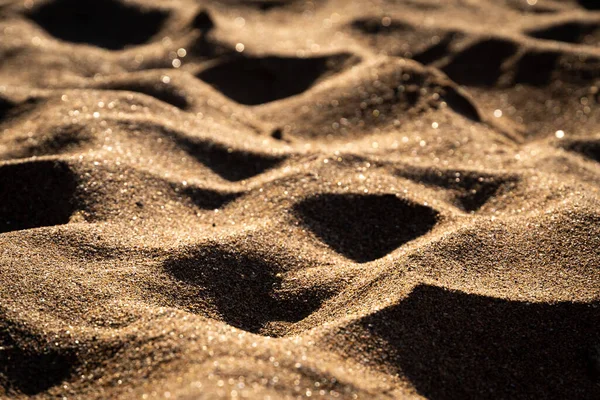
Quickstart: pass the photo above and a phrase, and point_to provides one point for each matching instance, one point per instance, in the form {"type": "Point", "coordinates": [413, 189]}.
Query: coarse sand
{"type": "Point", "coordinates": [286, 199]}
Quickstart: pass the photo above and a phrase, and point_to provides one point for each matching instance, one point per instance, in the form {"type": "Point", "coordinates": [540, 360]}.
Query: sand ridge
{"type": "Point", "coordinates": [289, 199]}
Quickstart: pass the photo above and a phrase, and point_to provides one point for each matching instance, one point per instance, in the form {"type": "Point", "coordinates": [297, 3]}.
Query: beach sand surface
{"type": "Point", "coordinates": [392, 199]}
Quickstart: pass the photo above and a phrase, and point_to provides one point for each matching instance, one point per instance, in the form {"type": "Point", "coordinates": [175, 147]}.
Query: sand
{"type": "Point", "coordinates": [287, 199]}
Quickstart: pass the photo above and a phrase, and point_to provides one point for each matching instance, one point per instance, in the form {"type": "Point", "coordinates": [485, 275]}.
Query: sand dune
{"type": "Point", "coordinates": [290, 198]}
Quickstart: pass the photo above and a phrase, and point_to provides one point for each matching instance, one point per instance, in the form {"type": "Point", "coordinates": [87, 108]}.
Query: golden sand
{"type": "Point", "coordinates": [289, 199]}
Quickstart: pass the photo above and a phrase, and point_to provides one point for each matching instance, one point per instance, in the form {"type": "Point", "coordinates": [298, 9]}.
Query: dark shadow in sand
{"type": "Point", "coordinates": [365, 227]}
{"type": "Point", "coordinates": [437, 51]}
{"type": "Point", "coordinates": [29, 367]}
{"type": "Point", "coordinates": [536, 68]}
{"type": "Point", "coordinates": [480, 64]}
{"type": "Point", "coordinates": [470, 189]}
{"type": "Point", "coordinates": [258, 80]}
{"type": "Point", "coordinates": [460, 104]}
{"type": "Point", "coordinates": [110, 24]}
{"type": "Point", "coordinates": [5, 108]}
{"type": "Point", "coordinates": [569, 32]}
{"type": "Point", "coordinates": [587, 148]}
{"type": "Point", "coordinates": [36, 193]}
{"type": "Point", "coordinates": [232, 165]}
{"type": "Point", "coordinates": [166, 93]}
{"type": "Point", "coordinates": [203, 21]}
{"type": "Point", "coordinates": [246, 289]}
{"type": "Point", "coordinates": [207, 199]}
{"type": "Point", "coordinates": [590, 4]}
{"type": "Point", "coordinates": [453, 345]}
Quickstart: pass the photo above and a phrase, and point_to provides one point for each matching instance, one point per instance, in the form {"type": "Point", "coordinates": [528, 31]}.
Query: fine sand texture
{"type": "Point", "coordinates": [280, 199]}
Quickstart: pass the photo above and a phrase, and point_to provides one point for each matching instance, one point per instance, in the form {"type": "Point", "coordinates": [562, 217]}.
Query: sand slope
{"type": "Point", "coordinates": [283, 199]}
